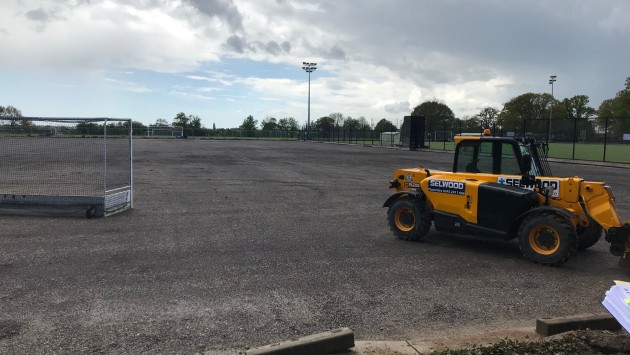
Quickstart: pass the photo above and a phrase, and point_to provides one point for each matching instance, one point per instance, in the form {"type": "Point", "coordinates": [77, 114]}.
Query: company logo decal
{"type": "Point", "coordinates": [540, 183]}
{"type": "Point", "coordinates": [413, 185]}
{"type": "Point", "coordinates": [447, 187]}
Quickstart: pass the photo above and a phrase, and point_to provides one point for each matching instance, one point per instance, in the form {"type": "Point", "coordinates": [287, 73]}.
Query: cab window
{"type": "Point", "coordinates": [490, 157]}
{"type": "Point", "coordinates": [485, 159]}
{"type": "Point", "coordinates": [509, 161]}
{"type": "Point", "coordinates": [466, 154]}
{"type": "Point", "coordinates": [474, 157]}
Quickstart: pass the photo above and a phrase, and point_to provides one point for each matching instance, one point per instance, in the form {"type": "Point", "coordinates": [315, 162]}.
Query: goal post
{"type": "Point", "coordinates": [57, 165]}
{"type": "Point", "coordinates": [165, 131]}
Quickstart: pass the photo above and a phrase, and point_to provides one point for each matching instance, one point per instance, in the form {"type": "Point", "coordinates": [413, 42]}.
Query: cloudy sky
{"type": "Point", "coordinates": [226, 59]}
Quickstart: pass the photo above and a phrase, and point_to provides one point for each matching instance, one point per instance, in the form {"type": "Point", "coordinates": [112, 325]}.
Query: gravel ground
{"type": "Point", "coordinates": [235, 244]}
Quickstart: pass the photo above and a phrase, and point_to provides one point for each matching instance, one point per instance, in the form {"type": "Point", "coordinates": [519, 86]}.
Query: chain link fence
{"type": "Point", "coordinates": [229, 133]}
{"type": "Point", "coordinates": [595, 139]}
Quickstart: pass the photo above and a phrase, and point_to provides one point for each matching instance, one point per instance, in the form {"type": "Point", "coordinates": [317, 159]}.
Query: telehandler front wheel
{"type": "Point", "coordinates": [547, 239]}
{"type": "Point", "coordinates": [409, 219]}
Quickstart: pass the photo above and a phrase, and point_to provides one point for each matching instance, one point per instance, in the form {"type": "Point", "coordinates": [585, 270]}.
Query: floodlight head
{"type": "Point", "coordinates": [553, 77]}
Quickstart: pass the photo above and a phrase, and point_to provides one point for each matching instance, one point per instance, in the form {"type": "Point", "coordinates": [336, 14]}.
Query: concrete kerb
{"type": "Point", "coordinates": [342, 341]}
{"type": "Point", "coordinates": [333, 341]}
{"type": "Point", "coordinates": [552, 326]}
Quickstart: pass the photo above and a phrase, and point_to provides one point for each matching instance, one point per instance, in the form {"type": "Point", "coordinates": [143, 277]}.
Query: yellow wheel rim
{"type": "Point", "coordinates": [404, 218]}
{"type": "Point", "coordinates": [544, 240]}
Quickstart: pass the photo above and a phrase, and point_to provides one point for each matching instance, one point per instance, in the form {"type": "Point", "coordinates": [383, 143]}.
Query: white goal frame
{"type": "Point", "coordinates": [169, 131]}
{"type": "Point", "coordinates": [55, 165]}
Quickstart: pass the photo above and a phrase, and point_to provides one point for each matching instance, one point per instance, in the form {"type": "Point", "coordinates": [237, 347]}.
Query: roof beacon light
{"type": "Point", "coordinates": [487, 132]}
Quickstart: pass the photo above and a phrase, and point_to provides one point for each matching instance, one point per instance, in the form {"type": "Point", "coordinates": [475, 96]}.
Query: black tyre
{"type": "Point", "coordinates": [590, 235]}
{"type": "Point", "coordinates": [547, 239]}
{"type": "Point", "coordinates": [409, 219]}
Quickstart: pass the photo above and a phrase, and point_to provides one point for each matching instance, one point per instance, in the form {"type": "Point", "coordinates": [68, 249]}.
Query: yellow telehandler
{"type": "Point", "coordinates": [502, 187]}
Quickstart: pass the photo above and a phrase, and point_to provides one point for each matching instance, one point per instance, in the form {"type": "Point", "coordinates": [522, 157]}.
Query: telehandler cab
{"type": "Point", "coordinates": [503, 188]}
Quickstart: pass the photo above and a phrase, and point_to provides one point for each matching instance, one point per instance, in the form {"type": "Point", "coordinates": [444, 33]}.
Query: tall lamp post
{"type": "Point", "coordinates": [552, 79]}
{"type": "Point", "coordinates": [309, 68]}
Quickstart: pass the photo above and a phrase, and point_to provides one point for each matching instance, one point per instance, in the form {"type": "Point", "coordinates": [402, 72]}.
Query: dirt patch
{"type": "Point", "coordinates": [9, 328]}
{"type": "Point", "coordinates": [471, 340]}
{"type": "Point", "coordinates": [574, 342]}
{"type": "Point", "coordinates": [512, 341]}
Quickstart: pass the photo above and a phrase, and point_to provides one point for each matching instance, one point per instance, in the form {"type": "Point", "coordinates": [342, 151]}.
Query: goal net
{"type": "Point", "coordinates": [441, 136]}
{"type": "Point", "coordinates": [71, 164]}
{"type": "Point", "coordinates": [165, 131]}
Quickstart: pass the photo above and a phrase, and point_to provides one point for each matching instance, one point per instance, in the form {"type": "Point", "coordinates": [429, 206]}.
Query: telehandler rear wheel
{"type": "Point", "coordinates": [588, 236]}
{"type": "Point", "coordinates": [409, 219]}
{"type": "Point", "coordinates": [547, 239]}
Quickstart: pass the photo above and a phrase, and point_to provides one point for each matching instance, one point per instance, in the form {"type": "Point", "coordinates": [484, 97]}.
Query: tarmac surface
{"type": "Point", "coordinates": [236, 244]}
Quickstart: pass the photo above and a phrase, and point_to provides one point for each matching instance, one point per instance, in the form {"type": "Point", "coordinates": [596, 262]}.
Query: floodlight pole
{"type": "Point", "coordinates": [309, 68]}
{"type": "Point", "coordinates": [552, 79]}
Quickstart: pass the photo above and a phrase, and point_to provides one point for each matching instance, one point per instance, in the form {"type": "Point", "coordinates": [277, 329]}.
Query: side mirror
{"type": "Point", "coordinates": [526, 164]}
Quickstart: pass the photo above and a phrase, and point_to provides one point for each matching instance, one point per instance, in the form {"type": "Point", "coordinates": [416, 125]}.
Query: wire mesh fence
{"type": "Point", "coordinates": [228, 133]}
{"type": "Point", "coordinates": [354, 136]}
{"type": "Point", "coordinates": [65, 163]}
{"type": "Point", "coordinates": [595, 139]}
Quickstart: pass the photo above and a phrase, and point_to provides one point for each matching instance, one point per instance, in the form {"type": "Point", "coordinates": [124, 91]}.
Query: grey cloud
{"type": "Point", "coordinates": [4, 31]}
{"type": "Point", "coordinates": [41, 17]}
{"type": "Point", "coordinates": [240, 45]}
{"type": "Point", "coordinates": [38, 15]}
{"type": "Point", "coordinates": [337, 52]}
{"type": "Point", "coordinates": [398, 107]}
{"type": "Point", "coordinates": [221, 9]}
{"type": "Point", "coordinates": [272, 48]}
{"type": "Point", "coordinates": [236, 44]}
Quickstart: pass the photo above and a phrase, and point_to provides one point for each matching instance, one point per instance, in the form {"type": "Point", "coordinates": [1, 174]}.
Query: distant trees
{"type": "Point", "coordinates": [577, 109]}
{"type": "Point", "coordinates": [181, 120]}
{"type": "Point", "coordinates": [337, 117]}
{"type": "Point", "coordinates": [384, 125]}
{"type": "Point", "coordinates": [487, 117]}
{"type": "Point", "coordinates": [161, 122]}
{"type": "Point", "coordinates": [324, 124]}
{"type": "Point", "coordinates": [10, 111]}
{"type": "Point", "coordinates": [339, 121]}
{"type": "Point", "coordinates": [249, 124]}
{"type": "Point", "coordinates": [529, 106]}
{"type": "Point", "coordinates": [195, 121]}
{"type": "Point", "coordinates": [436, 113]}
{"type": "Point", "coordinates": [288, 124]}
{"type": "Point", "coordinates": [190, 121]}
{"type": "Point", "coordinates": [617, 107]}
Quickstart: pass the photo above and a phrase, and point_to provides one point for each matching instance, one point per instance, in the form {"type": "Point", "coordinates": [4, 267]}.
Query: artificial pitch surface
{"type": "Point", "coordinates": [242, 243]}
